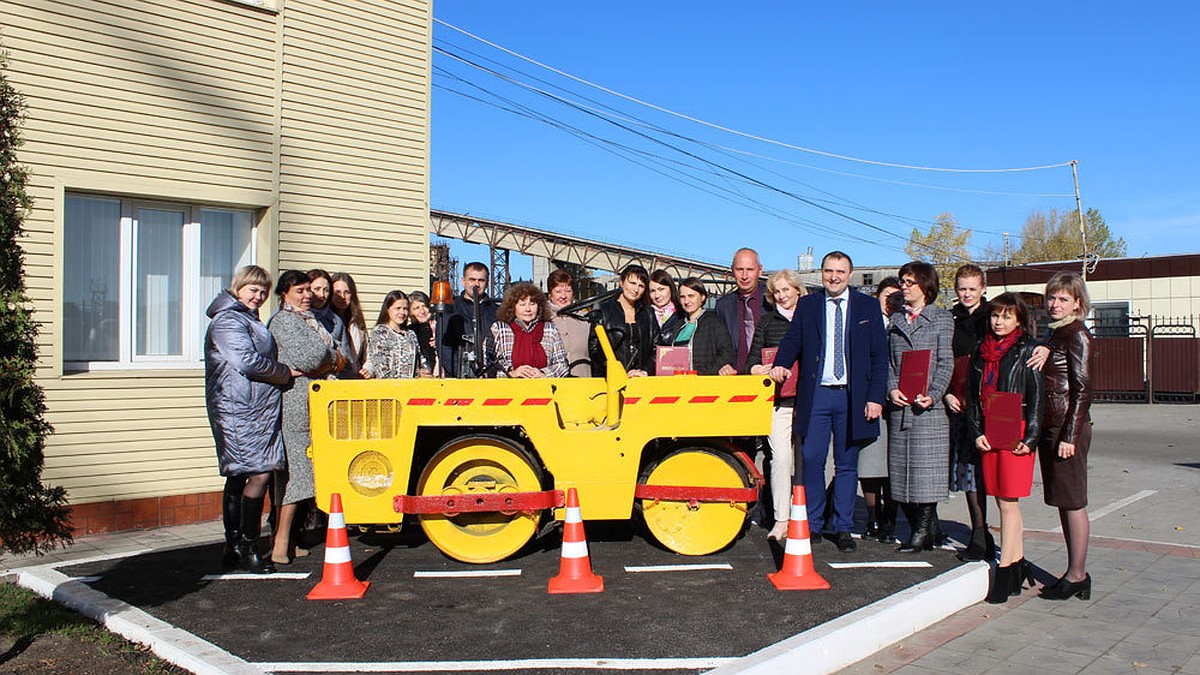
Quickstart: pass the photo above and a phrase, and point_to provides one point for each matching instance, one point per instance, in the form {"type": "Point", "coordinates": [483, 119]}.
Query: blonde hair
{"type": "Point", "coordinates": [788, 275]}
{"type": "Point", "coordinates": [250, 275]}
{"type": "Point", "coordinates": [1074, 285]}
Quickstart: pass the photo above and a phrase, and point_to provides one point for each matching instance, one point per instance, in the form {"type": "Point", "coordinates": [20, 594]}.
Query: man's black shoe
{"type": "Point", "coordinates": [843, 540]}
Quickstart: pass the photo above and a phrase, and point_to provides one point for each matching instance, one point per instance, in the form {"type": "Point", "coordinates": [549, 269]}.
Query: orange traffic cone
{"type": "Point", "coordinates": [575, 572]}
{"type": "Point", "coordinates": [798, 573]}
{"type": "Point", "coordinates": [337, 579]}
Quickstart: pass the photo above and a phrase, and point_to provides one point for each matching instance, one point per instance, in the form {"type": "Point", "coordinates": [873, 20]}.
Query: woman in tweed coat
{"type": "Point", "coordinates": [306, 346]}
{"type": "Point", "coordinates": [918, 430]}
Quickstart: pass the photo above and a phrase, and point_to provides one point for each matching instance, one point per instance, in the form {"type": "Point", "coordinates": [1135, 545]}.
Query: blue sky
{"type": "Point", "coordinates": [952, 85]}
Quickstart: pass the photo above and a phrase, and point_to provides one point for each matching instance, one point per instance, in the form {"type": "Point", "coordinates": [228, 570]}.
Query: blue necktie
{"type": "Point", "coordinates": [839, 359]}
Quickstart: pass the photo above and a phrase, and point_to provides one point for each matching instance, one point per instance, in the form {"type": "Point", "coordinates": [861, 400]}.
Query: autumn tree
{"type": "Point", "coordinates": [1055, 235]}
{"type": "Point", "coordinates": [944, 246]}
{"type": "Point", "coordinates": [32, 517]}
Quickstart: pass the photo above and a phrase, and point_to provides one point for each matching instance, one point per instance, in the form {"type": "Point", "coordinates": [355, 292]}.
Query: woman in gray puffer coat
{"type": "Point", "coordinates": [243, 381]}
{"type": "Point", "coordinates": [305, 345]}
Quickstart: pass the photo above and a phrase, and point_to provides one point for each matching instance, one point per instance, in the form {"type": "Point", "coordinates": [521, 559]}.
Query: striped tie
{"type": "Point", "coordinates": [839, 358]}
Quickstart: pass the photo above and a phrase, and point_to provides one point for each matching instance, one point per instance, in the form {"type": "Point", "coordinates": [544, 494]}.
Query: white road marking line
{"type": "Point", "coordinates": [882, 563]}
{"type": "Point", "coordinates": [678, 568]}
{"type": "Point", "coordinates": [86, 580]}
{"type": "Point", "coordinates": [242, 576]}
{"type": "Point", "coordinates": [518, 664]}
{"type": "Point", "coordinates": [449, 574]}
{"type": "Point", "coordinates": [1119, 504]}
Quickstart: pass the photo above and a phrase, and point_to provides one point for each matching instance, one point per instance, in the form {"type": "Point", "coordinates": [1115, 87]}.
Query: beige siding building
{"type": "Point", "coordinates": [169, 142]}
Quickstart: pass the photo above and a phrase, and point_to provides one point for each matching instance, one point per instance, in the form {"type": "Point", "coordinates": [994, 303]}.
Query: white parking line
{"type": "Point", "coordinates": [1119, 504]}
{"type": "Point", "coordinates": [517, 664]}
{"type": "Point", "coordinates": [678, 568]}
{"type": "Point", "coordinates": [447, 574]}
{"type": "Point", "coordinates": [244, 576]}
{"type": "Point", "coordinates": [882, 563]}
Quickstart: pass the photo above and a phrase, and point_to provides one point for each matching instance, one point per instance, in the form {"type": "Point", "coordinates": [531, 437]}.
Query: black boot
{"type": "Point", "coordinates": [872, 529]}
{"type": "Point", "coordinates": [1002, 583]}
{"type": "Point", "coordinates": [1022, 570]}
{"type": "Point", "coordinates": [922, 522]}
{"type": "Point", "coordinates": [989, 546]}
{"type": "Point", "coordinates": [251, 560]}
{"type": "Point", "coordinates": [935, 528]}
{"type": "Point", "coordinates": [977, 547]}
{"type": "Point", "coordinates": [231, 512]}
{"type": "Point", "coordinates": [887, 520]}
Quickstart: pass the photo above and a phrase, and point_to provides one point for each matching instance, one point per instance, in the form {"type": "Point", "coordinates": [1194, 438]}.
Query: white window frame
{"type": "Point", "coordinates": [193, 324]}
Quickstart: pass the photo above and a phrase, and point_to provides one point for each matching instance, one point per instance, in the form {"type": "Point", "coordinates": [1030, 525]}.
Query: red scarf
{"type": "Point", "coordinates": [527, 345]}
{"type": "Point", "coordinates": [991, 350]}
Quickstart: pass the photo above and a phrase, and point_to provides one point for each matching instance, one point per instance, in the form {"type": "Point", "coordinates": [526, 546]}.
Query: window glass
{"type": "Point", "coordinates": [226, 244]}
{"type": "Point", "coordinates": [158, 282]}
{"type": "Point", "coordinates": [91, 279]}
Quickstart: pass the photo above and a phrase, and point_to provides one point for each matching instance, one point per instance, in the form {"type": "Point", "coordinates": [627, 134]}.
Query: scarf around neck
{"type": "Point", "coordinates": [991, 350]}
{"type": "Point", "coordinates": [311, 321]}
{"type": "Point", "coordinates": [527, 344]}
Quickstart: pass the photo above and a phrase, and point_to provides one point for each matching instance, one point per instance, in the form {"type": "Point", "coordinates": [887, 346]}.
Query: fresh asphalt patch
{"type": "Point", "coordinates": [408, 617]}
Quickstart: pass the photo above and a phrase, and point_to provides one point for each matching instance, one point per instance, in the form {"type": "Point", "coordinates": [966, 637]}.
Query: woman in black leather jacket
{"type": "Point", "coordinates": [1000, 364]}
{"type": "Point", "coordinates": [630, 326]}
{"type": "Point", "coordinates": [664, 305]}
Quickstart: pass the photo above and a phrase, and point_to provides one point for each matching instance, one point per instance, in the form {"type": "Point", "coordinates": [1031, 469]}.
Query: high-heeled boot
{"type": "Point", "coordinates": [251, 560]}
{"type": "Point", "coordinates": [1022, 571]}
{"type": "Point", "coordinates": [1002, 583]}
{"type": "Point", "coordinates": [1064, 590]}
{"type": "Point", "coordinates": [873, 518]}
{"type": "Point", "coordinates": [922, 522]}
{"type": "Point", "coordinates": [887, 520]}
{"type": "Point", "coordinates": [231, 513]}
{"type": "Point", "coordinates": [977, 547]}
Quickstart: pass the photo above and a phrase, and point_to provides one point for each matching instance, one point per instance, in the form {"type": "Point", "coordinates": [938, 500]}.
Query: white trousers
{"type": "Point", "coordinates": [783, 460]}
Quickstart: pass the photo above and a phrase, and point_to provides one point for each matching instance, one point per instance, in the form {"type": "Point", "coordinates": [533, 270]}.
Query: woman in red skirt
{"type": "Point", "coordinates": [1001, 365]}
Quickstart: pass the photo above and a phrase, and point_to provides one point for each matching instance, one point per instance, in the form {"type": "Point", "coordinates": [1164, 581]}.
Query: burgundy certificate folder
{"type": "Point", "coordinates": [958, 380]}
{"type": "Point", "coordinates": [914, 373]}
{"type": "Point", "coordinates": [1003, 421]}
{"type": "Point", "coordinates": [671, 360]}
{"type": "Point", "coordinates": [788, 388]}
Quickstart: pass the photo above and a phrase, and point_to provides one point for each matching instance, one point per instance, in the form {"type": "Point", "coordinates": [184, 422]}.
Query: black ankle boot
{"type": "Point", "coordinates": [922, 522]}
{"type": "Point", "coordinates": [887, 522]}
{"type": "Point", "coordinates": [251, 560]}
{"type": "Point", "coordinates": [1022, 571]}
{"type": "Point", "coordinates": [977, 547]}
{"type": "Point", "coordinates": [231, 512]}
{"type": "Point", "coordinates": [1002, 583]}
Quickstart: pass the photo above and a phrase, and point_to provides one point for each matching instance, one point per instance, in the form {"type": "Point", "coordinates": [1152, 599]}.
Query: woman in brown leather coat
{"type": "Point", "coordinates": [1067, 427]}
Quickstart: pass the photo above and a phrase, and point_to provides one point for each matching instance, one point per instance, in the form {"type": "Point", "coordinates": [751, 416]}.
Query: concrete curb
{"type": "Point", "coordinates": [168, 642]}
{"type": "Point", "coordinates": [855, 636]}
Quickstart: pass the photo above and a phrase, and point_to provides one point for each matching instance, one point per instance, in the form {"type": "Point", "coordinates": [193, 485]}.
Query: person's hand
{"type": "Point", "coordinates": [424, 373]}
{"type": "Point", "coordinates": [1066, 450]}
{"type": "Point", "coordinates": [1022, 449]}
{"type": "Point", "coordinates": [364, 373]}
{"type": "Point", "coordinates": [953, 403]}
{"type": "Point", "coordinates": [922, 401]}
{"type": "Point", "coordinates": [982, 443]}
{"type": "Point", "coordinates": [295, 373]}
{"type": "Point", "coordinates": [526, 372]}
{"type": "Point", "coordinates": [1038, 359]}
{"type": "Point", "coordinates": [637, 373]}
{"type": "Point", "coordinates": [779, 373]}
{"type": "Point", "coordinates": [897, 397]}
{"type": "Point", "coordinates": [760, 369]}
{"type": "Point", "coordinates": [873, 411]}
{"type": "Point", "coordinates": [727, 370]}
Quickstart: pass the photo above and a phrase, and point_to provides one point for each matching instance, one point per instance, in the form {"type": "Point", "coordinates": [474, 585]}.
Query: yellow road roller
{"type": "Point", "coordinates": [480, 463]}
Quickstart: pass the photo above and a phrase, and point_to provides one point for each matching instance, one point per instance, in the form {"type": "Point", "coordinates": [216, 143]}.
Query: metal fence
{"type": "Point", "coordinates": [1151, 359]}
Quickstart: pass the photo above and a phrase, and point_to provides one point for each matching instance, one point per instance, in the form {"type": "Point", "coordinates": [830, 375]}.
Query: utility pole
{"type": "Point", "coordinates": [1006, 255]}
{"type": "Point", "coordinates": [1079, 210]}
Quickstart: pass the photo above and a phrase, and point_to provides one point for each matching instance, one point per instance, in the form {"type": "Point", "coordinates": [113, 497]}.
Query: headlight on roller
{"type": "Point", "coordinates": [370, 473]}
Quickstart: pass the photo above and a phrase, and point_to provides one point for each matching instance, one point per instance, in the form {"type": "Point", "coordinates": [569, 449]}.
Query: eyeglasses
{"type": "Point", "coordinates": [908, 282]}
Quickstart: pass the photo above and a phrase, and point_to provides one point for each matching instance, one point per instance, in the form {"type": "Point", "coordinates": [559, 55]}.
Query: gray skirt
{"type": "Point", "coordinates": [873, 458]}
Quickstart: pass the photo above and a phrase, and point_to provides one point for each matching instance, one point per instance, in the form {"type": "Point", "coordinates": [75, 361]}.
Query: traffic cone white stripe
{"type": "Point", "coordinates": [798, 547]}
{"type": "Point", "coordinates": [337, 519]}
{"type": "Point", "coordinates": [574, 549]}
{"type": "Point", "coordinates": [574, 514]}
{"type": "Point", "coordinates": [799, 513]}
{"type": "Point", "coordinates": [335, 556]}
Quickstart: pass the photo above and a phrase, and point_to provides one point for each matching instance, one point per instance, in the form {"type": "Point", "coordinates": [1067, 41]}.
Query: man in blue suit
{"type": "Point", "coordinates": [839, 342]}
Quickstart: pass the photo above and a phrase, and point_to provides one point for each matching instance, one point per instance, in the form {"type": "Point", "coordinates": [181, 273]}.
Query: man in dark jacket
{"type": "Point", "coordinates": [459, 351]}
{"type": "Point", "coordinates": [744, 307]}
{"type": "Point", "coordinates": [839, 342]}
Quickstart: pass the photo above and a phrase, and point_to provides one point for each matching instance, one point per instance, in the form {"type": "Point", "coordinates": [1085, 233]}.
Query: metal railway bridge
{"type": "Point", "coordinates": [545, 246]}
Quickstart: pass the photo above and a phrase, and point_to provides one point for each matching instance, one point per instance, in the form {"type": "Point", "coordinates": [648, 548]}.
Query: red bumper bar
{"type": "Point", "coordinates": [483, 502]}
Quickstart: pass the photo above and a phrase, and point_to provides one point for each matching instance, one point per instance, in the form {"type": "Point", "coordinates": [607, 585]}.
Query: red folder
{"type": "Point", "coordinates": [958, 380]}
{"type": "Point", "coordinates": [788, 388]}
{"type": "Point", "coordinates": [1003, 420]}
{"type": "Point", "coordinates": [672, 360]}
{"type": "Point", "coordinates": [914, 373]}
